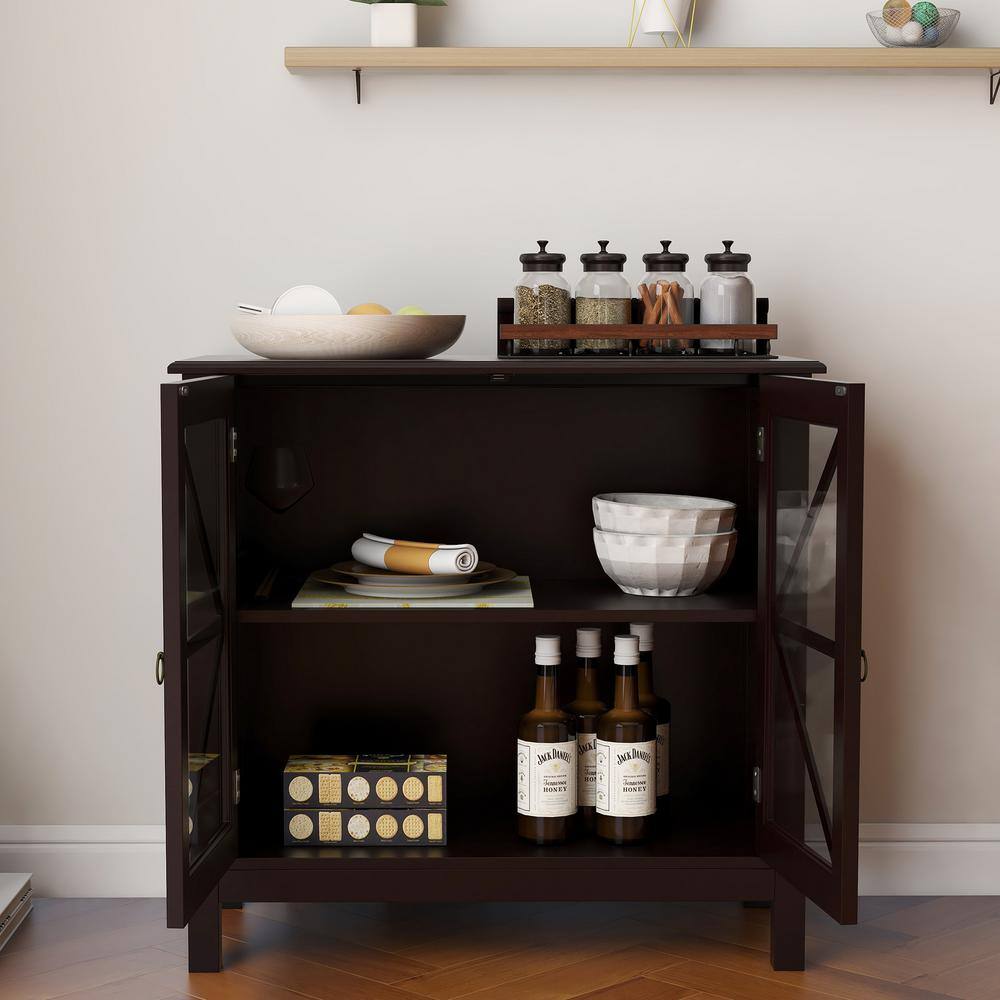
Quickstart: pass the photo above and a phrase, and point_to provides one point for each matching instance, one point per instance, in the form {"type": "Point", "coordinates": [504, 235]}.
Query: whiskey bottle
{"type": "Point", "coordinates": [586, 708]}
{"type": "Point", "coordinates": [658, 708]}
{"type": "Point", "coordinates": [626, 755]}
{"type": "Point", "coordinates": [546, 756]}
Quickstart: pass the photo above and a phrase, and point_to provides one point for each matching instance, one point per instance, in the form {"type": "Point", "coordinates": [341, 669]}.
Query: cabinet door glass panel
{"type": "Point", "coordinates": [803, 770]}
{"type": "Point", "coordinates": [805, 619]}
{"type": "Point", "coordinates": [204, 475]}
{"type": "Point", "coordinates": [806, 525]}
{"type": "Point", "coordinates": [204, 450]}
{"type": "Point", "coordinates": [205, 814]}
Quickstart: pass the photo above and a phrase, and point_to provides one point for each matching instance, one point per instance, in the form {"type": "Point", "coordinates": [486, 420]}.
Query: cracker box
{"type": "Point", "coordinates": [375, 781]}
{"type": "Point", "coordinates": [365, 827]}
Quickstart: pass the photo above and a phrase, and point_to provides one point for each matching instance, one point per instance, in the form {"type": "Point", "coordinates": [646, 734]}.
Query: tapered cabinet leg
{"type": "Point", "coordinates": [205, 936]}
{"type": "Point", "coordinates": [788, 928]}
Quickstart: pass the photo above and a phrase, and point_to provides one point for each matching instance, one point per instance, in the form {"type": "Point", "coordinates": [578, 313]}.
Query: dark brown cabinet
{"type": "Point", "coordinates": [271, 469]}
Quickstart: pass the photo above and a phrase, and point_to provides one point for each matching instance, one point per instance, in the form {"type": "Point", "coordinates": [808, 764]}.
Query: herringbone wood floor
{"type": "Point", "coordinates": [904, 949]}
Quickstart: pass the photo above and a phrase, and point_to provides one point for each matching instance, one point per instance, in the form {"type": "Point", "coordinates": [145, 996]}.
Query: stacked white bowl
{"type": "Point", "coordinates": [661, 544]}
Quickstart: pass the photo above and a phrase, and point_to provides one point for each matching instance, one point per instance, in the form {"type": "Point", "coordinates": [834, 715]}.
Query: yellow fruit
{"type": "Point", "coordinates": [370, 309]}
{"type": "Point", "coordinates": [412, 311]}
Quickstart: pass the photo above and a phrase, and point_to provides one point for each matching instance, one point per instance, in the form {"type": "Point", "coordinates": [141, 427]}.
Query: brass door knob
{"type": "Point", "coordinates": [159, 667]}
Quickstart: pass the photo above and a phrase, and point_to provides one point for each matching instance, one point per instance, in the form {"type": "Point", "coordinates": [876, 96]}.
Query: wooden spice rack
{"type": "Point", "coordinates": [637, 333]}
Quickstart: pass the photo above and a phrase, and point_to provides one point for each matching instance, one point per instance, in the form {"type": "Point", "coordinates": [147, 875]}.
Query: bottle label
{"type": "Point", "coordinates": [586, 782]}
{"type": "Point", "coordinates": [546, 778]}
{"type": "Point", "coordinates": [626, 778]}
{"type": "Point", "coordinates": [663, 759]}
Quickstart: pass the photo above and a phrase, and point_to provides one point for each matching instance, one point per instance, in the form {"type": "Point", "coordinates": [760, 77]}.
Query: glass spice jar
{"type": "Point", "coordinates": [603, 298]}
{"type": "Point", "coordinates": [542, 298]}
{"type": "Point", "coordinates": [727, 296]}
{"type": "Point", "coordinates": [668, 298]}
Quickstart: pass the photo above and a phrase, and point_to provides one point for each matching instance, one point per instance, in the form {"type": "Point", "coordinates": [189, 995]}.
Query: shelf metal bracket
{"type": "Point", "coordinates": [357, 82]}
{"type": "Point", "coordinates": [994, 85]}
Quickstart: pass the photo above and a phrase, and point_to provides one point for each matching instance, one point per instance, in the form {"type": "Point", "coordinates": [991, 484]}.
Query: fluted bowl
{"type": "Point", "coordinates": [662, 514]}
{"type": "Point", "coordinates": [664, 565]}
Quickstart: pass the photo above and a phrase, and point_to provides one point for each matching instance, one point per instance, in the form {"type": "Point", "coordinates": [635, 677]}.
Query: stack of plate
{"type": "Point", "coordinates": [368, 581]}
{"type": "Point", "coordinates": [663, 545]}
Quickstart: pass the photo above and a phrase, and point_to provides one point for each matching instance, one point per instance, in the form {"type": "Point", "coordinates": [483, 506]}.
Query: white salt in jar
{"type": "Point", "coordinates": [727, 296]}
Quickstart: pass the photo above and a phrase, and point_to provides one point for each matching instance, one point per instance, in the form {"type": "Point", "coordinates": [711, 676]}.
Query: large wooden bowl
{"type": "Point", "coordinates": [362, 338]}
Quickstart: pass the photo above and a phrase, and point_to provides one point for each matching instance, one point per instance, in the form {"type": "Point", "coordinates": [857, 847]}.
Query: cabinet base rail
{"type": "Point", "coordinates": [291, 884]}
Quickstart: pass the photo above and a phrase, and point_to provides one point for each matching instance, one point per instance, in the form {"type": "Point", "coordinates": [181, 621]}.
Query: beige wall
{"type": "Point", "coordinates": [158, 164]}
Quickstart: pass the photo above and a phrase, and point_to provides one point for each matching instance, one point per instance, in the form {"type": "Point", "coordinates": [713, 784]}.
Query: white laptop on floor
{"type": "Point", "coordinates": [15, 904]}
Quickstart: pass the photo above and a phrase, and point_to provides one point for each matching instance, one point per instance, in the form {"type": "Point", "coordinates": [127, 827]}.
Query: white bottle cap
{"type": "Point", "coordinates": [547, 651]}
{"type": "Point", "coordinates": [588, 643]}
{"type": "Point", "coordinates": [644, 630]}
{"type": "Point", "coordinates": [626, 649]}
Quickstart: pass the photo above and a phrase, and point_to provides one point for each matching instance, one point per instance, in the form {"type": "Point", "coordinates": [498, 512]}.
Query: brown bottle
{"type": "Point", "coordinates": [586, 708]}
{"type": "Point", "coordinates": [626, 756]}
{"type": "Point", "coordinates": [546, 756]}
{"type": "Point", "coordinates": [658, 708]}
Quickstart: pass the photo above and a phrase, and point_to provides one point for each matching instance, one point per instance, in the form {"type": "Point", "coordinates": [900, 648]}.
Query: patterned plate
{"type": "Point", "coordinates": [355, 573]}
{"type": "Point", "coordinates": [406, 591]}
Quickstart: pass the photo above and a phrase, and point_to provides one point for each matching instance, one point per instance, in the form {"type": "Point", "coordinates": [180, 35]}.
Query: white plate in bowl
{"type": "Point", "coordinates": [662, 514]}
{"type": "Point", "coordinates": [346, 338]}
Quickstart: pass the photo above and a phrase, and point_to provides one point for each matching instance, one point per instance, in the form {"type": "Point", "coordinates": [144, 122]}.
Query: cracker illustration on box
{"type": "Point", "coordinates": [369, 827]}
{"type": "Point", "coordinates": [397, 781]}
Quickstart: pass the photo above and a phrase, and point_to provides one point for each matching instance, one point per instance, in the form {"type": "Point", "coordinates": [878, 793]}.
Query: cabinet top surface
{"type": "Point", "coordinates": [244, 364]}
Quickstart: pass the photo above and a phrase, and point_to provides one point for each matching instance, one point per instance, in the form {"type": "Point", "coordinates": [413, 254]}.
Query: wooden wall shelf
{"type": "Point", "coordinates": [871, 57]}
{"type": "Point", "coordinates": [490, 58]}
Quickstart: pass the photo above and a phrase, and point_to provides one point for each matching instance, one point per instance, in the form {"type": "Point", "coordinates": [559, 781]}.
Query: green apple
{"type": "Point", "coordinates": [412, 311]}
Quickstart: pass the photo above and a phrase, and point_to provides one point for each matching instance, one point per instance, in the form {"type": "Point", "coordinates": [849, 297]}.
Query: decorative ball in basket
{"type": "Point", "coordinates": [921, 25]}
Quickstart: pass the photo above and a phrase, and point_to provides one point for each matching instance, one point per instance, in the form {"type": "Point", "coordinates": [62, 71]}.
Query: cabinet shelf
{"type": "Point", "coordinates": [699, 858]}
{"type": "Point", "coordinates": [556, 601]}
{"type": "Point", "coordinates": [694, 853]}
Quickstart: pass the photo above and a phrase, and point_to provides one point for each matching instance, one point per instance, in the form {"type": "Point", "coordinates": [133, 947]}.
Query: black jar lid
{"type": "Point", "coordinates": [603, 261]}
{"type": "Point", "coordinates": [665, 260]}
{"type": "Point", "coordinates": [727, 261]}
{"type": "Point", "coordinates": [543, 260]}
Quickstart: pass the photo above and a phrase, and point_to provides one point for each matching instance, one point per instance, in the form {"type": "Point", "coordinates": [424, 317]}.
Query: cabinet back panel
{"type": "Point", "coordinates": [511, 469]}
{"type": "Point", "coordinates": [460, 689]}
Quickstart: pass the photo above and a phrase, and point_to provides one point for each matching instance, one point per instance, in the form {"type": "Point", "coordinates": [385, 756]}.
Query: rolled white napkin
{"type": "Point", "coordinates": [418, 558]}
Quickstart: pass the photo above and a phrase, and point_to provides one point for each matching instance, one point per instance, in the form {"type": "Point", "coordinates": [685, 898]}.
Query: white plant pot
{"type": "Point", "coordinates": [394, 24]}
{"type": "Point", "coordinates": [656, 21]}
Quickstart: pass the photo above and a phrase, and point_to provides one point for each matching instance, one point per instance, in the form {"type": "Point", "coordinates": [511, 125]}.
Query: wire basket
{"type": "Point", "coordinates": [912, 34]}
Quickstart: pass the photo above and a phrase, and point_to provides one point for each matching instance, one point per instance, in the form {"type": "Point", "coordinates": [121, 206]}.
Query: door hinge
{"type": "Point", "coordinates": [760, 439]}
{"type": "Point", "coordinates": [756, 785]}
{"type": "Point", "coordinates": [232, 445]}
{"type": "Point", "coordinates": [236, 787]}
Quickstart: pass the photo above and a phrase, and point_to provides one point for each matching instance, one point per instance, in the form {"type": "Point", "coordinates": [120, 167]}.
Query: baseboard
{"type": "Point", "coordinates": [87, 861]}
{"type": "Point", "coordinates": [896, 859]}
{"type": "Point", "coordinates": [929, 859]}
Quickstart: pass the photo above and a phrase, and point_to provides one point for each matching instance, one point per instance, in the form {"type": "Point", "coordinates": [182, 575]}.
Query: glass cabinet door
{"type": "Point", "coordinates": [197, 576]}
{"type": "Point", "coordinates": [811, 505]}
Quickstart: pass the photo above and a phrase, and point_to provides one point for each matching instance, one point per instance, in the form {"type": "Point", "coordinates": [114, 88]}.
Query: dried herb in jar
{"type": "Point", "coordinates": [542, 298]}
{"type": "Point", "coordinates": [602, 312]}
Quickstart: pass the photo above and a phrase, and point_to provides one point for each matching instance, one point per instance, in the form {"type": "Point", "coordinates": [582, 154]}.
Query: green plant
{"type": "Point", "coordinates": [419, 3]}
